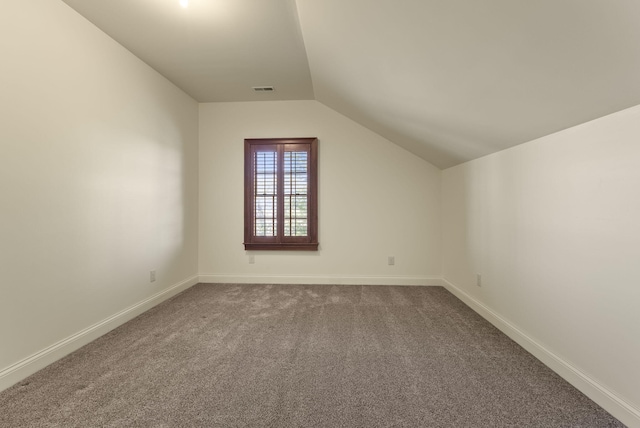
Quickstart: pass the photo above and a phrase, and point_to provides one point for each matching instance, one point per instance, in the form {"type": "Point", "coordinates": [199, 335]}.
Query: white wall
{"type": "Point", "coordinates": [375, 200]}
{"type": "Point", "coordinates": [553, 227]}
{"type": "Point", "coordinates": [98, 184]}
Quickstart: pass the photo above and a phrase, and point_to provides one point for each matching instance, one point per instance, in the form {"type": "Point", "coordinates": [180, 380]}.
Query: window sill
{"type": "Point", "coordinates": [297, 246]}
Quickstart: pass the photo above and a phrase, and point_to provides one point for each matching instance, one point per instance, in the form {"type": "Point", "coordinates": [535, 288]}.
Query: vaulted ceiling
{"type": "Point", "coordinates": [449, 80]}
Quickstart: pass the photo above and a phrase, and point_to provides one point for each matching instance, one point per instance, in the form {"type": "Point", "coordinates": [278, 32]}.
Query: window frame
{"type": "Point", "coordinates": [281, 242]}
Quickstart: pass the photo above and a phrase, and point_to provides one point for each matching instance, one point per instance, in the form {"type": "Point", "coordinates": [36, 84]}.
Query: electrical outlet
{"type": "Point", "coordinates": [252, 259]}
{"type": "Point", "coordinates": [152, 276]}
{"type": "Point", "coordinates": [479, 280]}
{"type": "Point", "coordinates": [391, 261]}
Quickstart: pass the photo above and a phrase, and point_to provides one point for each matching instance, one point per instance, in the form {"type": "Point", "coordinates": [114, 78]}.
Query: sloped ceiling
{"type": "Point", "coordinates": [449, 80]}
{"type": "Point", "coordinates": [214, 50]}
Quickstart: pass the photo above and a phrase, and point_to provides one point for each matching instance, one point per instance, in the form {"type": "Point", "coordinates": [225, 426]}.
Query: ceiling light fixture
{"type": "Point", "coordinates": [184, 3]}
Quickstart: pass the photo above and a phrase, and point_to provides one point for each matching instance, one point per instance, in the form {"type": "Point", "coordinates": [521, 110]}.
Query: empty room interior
{"type": "Point", "coordinates": [478, 174]}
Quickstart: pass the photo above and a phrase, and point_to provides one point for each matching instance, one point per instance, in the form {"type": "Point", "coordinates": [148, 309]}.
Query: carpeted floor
{"type": "Point", "coordinates": [301, 356]}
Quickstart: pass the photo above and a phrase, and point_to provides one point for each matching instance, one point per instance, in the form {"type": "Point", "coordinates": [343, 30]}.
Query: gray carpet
{"type": "Point", "coordinates": [301, 356]}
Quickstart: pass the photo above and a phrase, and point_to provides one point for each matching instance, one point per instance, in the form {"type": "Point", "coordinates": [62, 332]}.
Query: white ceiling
{"type": "Point", "coordinates": [449, 80]}
{"type": "Point", "coordinates": [214, 50]}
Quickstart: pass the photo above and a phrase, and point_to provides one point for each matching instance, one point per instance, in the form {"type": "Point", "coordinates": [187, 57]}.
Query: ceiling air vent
{"type": "Point", "coordinates": [263, 88]}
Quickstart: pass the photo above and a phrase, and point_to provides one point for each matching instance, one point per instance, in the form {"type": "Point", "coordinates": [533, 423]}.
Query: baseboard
{"type": "Point", "coordinates": [605, 398]}
{"type": "Point", "coordinates": [321, 279]}
{"type": "Point", "coordinates": [26, 367]}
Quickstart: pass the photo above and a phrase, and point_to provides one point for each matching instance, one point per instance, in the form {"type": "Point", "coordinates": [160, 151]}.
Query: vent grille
{"type": "Point", "coordinates": [263, 88]}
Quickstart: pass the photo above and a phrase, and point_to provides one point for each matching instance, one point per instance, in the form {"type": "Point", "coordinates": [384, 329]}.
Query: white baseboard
{"type": "Point", "coordinates": [26, 367]}
{"type": "Point", "coordinates": [605, 398]}
{"type": "Point", "coordinates": [320, 279]}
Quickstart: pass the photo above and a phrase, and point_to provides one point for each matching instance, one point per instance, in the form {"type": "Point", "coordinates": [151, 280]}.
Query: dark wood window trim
{"type": "Point", "coordinates": [281, 194]}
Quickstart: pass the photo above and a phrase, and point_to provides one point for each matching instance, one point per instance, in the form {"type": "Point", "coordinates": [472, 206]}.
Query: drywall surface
{"type": "Point", "coordinates": [98, 179]}
{"type": "Point", "coordinates": [553, 228]}
{"type": "Point", "coordinates": [375, 200]}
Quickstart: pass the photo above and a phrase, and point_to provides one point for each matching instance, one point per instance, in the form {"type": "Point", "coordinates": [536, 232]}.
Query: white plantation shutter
{"type": "Point", "coordinates": [265, 193]}
{"type": "Point", "coordinates": [296, 184]}
{"type": "Point", "coordinates": [281, 194]}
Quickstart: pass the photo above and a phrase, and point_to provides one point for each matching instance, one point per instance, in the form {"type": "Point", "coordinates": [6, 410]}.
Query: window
{"type": "Point", "coordinates": [280, 188]}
